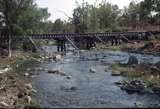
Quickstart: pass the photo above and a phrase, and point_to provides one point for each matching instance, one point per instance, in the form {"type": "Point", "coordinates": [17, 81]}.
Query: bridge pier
{"type": "Point", "coordinates": [61, 45]}
{"type": "Point", "coordinates": [90, 42]}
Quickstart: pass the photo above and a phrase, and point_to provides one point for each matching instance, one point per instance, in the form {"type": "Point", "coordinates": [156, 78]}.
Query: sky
{"type": "Point", "coordinates": [61, 8]}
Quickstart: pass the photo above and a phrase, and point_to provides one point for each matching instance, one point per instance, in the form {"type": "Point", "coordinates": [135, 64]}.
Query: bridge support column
{"type": "Point", "coordinates": [58, 45]}
{"type": "Point", "coordinates": [61, 45]}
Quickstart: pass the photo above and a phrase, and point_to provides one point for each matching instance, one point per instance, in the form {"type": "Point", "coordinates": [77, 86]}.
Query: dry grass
{"type": "Point", "coordinates": [138, 71]}
{"type": "Point", "coordinates": [15, 79]}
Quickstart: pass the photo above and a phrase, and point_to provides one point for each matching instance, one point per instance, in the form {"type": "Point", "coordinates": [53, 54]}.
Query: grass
{"type": "Point", "coordinates": [138, 72]}
{"type": "Point", "coordinates": [117, 48]}
{"type": "Point", "coordinates": [36, 55]}
{"type": "Point", "coordinates": [20, 61]}
{"type": "Point", "coordinates": [21, 64]}
{"type": "Point", "coordinates": [126, 70]}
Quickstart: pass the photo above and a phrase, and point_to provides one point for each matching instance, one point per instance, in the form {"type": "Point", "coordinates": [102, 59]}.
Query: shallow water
{"type": "Point", "coordinates": [89, 89]}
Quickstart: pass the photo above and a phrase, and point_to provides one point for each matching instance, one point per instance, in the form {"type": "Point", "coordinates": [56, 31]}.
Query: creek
{"type": "Point", "coordinates": [86, 89]}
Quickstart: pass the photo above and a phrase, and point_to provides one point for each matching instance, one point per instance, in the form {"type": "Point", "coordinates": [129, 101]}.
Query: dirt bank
{"type": "Point", "coordinates": [13, 90]}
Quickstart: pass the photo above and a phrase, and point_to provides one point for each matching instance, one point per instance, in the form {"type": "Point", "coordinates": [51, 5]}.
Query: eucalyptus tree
{"type": "Point", "coordinates": [107, 16]}
{"type": "Point", "coordinates": [22, 16]}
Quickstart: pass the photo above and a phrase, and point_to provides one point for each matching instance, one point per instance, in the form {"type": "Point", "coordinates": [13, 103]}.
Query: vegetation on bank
{"type": "Point", "coordinates": [140, 71]}
{"type": "Point", "coordinates": [18, 63]}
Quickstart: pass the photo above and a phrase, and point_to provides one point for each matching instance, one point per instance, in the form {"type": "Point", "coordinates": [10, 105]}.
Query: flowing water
{"type": "Point", "coordinates": [86, 89]}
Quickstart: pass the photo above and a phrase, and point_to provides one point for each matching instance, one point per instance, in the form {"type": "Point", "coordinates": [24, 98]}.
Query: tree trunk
{"type": "Point", "coordinates": [9, 47]}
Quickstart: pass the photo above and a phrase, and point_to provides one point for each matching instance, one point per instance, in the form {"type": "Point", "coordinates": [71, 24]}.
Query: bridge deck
{"type": "Point", "coordinates": [75, 35]}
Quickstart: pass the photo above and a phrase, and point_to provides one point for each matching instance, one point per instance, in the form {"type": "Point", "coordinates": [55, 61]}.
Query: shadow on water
{"type": "Point", "coordinates": [86, 89]}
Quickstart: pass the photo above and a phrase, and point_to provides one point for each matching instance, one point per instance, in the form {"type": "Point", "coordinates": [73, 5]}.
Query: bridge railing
{"type": "Point", "coordinates": [62, 36]}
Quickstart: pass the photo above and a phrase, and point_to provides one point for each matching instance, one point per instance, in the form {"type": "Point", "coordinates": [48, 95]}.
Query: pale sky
{"type": "Point", "coordinates": [57, 7]}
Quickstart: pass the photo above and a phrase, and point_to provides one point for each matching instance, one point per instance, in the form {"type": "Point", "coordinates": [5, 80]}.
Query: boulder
{"type": "Point", "coordinates": [26, 74]}
{"type": "Point", "coordinates": [53, 71]}
{"type": "Point", "coordinates": [62, 73]}
{"type": "Point", "coordinates": [157, 64]}
{"type": "Point", "coordinates": [73, 88]}
{"type": "Point", "coordinates": [92, 70]}
{"type": "Point", "coordinates": [133, 86]}
{"type": "Point", "coordinates": [155, 70]}
{"type": "Point", "coordinates": [28, 86]}
{"type": "Point", "coordinates": [132, 60]}
{"type": "Point", "coordinates": [4, 104]}
{"type": "Point", "coordinates": [5, 70]}
{"type": "Point", "coordinates": [69, 77]}
{"type": "Point", "coordinates": [29, 99]}
{"type": "Point", "coordinates": [56, 71]}
{"type": "Point", "coordinates": [58, 58]}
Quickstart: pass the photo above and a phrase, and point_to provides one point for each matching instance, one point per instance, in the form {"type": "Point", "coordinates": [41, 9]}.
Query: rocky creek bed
{"type": "Point", "coordinates": [84, 79]}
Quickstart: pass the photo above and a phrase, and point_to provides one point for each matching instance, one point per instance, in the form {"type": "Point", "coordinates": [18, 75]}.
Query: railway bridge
{"type": "Point", "coordinates": [82, 40]}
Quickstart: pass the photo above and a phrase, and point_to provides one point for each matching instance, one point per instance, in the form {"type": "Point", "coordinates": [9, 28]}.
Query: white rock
{"type": "Point", "coordinates": [34, 91]}
{"type": "Point", "coordinates": [29, 99]}
{"type": "Point", "coordinates": [92, 70]}
{"type": "Point", "coordinates": [28, 86]}
{"type": "Point", "coordinates": [151, 77]}
{"type": "Point", "coordinates": [62, 73]}
{"type": "Point", "coordinates": [1, 72]}
{"type": "Point", "coordinates": [4, 104]}
{"type": "Point", "coordinates": [58, 58]}
{"type": "Point", "coordinates": [5, 70]}
{"type": "Point", "coordinates": [26, 74]}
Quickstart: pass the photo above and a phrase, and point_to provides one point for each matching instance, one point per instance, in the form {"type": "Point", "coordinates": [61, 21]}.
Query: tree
{"type": "Point", "coordinates": [58, 26]}
{"type": "Point", "coordinates": [22, 16]}
{"type": "Point", "coordinates": [107, 16]}
{"type": "Point", "coordinates": [80, 18]}
{"type": "Point", "coordinates": [93, 19]}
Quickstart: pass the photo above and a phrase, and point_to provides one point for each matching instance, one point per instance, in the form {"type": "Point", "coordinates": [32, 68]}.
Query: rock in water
{"type": "Point", "coordinates": [158, 64]}
{"type": "Point", "coordinates": [92, 70]}
{"type": "Point", "coordinates": [132, 60]}
{"type": "Point", "coordinates": [69, 77]}
{"type": "Point", "coordinates": [53, 71]}
{"type": "Point", "coordinates": [58, 58]}
{"type": "Point", "coordinates": [56, 71]}
{"type": "Point", "coordinates": [26, 74]}
{"type": "Point", "coordinates": [134, 86]}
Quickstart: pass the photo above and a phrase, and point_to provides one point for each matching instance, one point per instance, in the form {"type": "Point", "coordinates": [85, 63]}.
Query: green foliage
{"type": "Point", "coordinates": [21, 64]}
{"type": "Point", "coordinates": [25, 17]}
{"type": "Point", "coordinates": [92, 18]}
{"type": "Point", "coordinates": [22, 16]}
{"type": "Point", "coordinates": [125, 70]}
